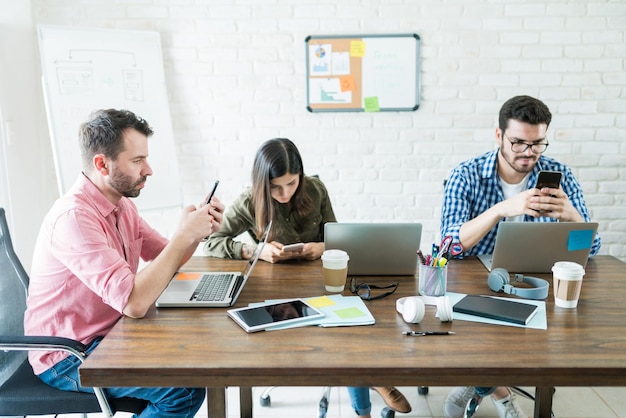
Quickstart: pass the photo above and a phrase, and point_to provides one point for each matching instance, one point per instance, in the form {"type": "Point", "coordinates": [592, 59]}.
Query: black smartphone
{"type": "Point", "coordinates": [212, 192]}
{"type": "Point", "coordinates": [551, 179]}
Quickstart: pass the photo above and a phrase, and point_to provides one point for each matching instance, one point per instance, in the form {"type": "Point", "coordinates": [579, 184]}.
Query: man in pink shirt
{"type": "Point", "coordinates": [84, 275]}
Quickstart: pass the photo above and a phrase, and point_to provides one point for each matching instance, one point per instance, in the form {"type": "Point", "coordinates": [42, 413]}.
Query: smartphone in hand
{"type": "Point", "coordinates": [294, 247]}
{"type": "Point", "coordinates": [217, 182]}
{"type": "Point", "coordinates": [551, 179]}
{"type": "Point", "coordinates": [208, 200]}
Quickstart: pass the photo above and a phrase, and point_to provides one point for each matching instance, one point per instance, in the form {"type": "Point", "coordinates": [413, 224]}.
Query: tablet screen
{"type": "Point", "coordinates": [260, 317]}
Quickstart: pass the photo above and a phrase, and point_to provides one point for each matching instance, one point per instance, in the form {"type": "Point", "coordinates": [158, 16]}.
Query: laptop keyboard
{"type": "Point", "coordinates": [212, 287]}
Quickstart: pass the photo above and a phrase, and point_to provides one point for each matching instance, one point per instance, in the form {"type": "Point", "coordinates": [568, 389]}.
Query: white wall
{"type": "Point", "coordinates": [236, 77]}
{"type": "Point", "coordinates": [29, 188]}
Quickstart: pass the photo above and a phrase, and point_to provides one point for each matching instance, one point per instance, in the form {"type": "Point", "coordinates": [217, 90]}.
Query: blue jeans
{"type": "Point", "coordinates": [360, 398]}
{"type": "Point", "coordinates": [163, 402]}
{"type": "Point", "coordinates": [484, 391]}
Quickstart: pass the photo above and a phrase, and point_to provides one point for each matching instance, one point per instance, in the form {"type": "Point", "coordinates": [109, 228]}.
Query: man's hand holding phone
{"type": "Point", "coordinates": [549, 179]}
{"type": "Point", "coordinates": [217, 208]}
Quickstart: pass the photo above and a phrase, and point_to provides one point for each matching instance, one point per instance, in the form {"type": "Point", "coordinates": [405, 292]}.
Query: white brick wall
{"type": "Point", "coordinates": [236, 77]}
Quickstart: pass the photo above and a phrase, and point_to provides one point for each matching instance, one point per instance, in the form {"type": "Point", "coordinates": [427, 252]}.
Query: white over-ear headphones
{"type": "Point", "coordinates": [413, 308]}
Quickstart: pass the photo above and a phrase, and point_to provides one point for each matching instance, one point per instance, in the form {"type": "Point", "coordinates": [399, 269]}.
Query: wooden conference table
{"type": "Point", "coordinates": [202, 347]}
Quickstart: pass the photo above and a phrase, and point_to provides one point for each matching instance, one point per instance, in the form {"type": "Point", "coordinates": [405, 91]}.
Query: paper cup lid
{"type": "Point", "coordinates": [335, 255]}
{"type": "Point", "coordinates": [568, 268]}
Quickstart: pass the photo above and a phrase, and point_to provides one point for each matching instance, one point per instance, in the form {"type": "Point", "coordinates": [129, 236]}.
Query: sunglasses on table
{"type": "Point", "coordinates": [364, 290]}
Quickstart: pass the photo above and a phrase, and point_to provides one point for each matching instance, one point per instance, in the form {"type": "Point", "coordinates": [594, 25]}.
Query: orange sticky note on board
{"type": "Point", "coordinates": [188, 276]}
{"type": "Point", "coordinates": [347, 83]}
{"type": "Point", "coordinates": [357, 49]}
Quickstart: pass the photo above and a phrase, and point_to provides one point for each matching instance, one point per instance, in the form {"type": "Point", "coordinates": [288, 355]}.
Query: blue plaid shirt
{"type": "Point", "coordinates": [473, 188]}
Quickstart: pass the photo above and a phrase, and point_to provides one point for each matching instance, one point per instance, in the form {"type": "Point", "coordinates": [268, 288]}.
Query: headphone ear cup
{"type": "Point", "coordinates": [444, 309]}
{"type": "Point", "coordinates": [413, 310]}
{"type": "Point", "coordinates": [497, 279]}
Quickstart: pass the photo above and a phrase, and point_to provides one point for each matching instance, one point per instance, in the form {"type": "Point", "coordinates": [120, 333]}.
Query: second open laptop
{"type": "Point", "coordinates": [534, 247]}
{"type": "Point", "coordinates": [209, 289]}
{"type": "Point", "coordinates": [382, 249]}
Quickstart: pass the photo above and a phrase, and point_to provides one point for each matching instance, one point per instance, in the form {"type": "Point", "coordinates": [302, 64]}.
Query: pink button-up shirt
{"type": "Point", "coordinates": [84, 267]}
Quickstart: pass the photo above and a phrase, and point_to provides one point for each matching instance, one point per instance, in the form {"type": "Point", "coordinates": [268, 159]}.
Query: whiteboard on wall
{"type": "Point", "coordinates": [363, 73]}
{"type": "Point", "coordinates": [89, 69]}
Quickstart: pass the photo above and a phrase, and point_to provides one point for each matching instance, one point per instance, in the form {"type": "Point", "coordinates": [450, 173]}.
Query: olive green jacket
{"type": "Point", "coordinates": [288, 228]}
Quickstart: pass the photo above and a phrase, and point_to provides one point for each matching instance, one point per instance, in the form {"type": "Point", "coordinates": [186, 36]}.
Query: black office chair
{"type": "Point", "coordinates": [22, 393]}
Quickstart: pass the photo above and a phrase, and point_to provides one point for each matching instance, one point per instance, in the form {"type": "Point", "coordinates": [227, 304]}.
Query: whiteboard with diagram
{"type": "Point", "coordinates": [89, 69]}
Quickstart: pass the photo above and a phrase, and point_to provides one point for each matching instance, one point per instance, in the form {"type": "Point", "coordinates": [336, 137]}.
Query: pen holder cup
{"type": "Point", "coordinates": [433, 280]}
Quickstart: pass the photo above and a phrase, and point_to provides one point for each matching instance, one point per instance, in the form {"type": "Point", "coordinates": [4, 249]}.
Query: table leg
{"type": "Point", "coordinates": [216, 402]}
{"type": "Point", "coordinates": [245, 402]}
{"type": "Point", "coordinates": [543, 401]}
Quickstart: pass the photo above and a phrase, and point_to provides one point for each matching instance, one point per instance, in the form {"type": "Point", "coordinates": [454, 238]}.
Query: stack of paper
{"type": "Point", "coordinates": [339, 311]}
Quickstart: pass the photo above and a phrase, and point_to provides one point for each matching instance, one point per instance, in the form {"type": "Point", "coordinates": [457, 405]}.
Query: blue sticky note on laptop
{"type": "Point", "coordinates": [580, 240]}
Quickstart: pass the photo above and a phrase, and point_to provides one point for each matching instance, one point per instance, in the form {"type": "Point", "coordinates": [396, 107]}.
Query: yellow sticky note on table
{"type": "Point", "coordinates": [347, 313]}
{"type": "Point", "coordinates": [370, 104]}
{"type": "Point", "coordinates": [357, 49]}
{"type": "Point", "coordinates": [321, 302]}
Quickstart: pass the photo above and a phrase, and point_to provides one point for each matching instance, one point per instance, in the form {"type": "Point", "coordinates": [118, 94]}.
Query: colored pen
{"type": "Point", "coordinates": [420, 255]}
{"type": "Point", "coordinates": [424, 333]}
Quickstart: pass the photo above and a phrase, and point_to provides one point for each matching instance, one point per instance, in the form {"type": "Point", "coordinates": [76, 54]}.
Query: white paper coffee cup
{"type": "Point", "coordinates": [335, 269]}
{"type": "Point", "coordinates": [567, 281]}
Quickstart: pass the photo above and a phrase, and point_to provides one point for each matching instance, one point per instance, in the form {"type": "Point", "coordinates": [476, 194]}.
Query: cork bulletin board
{"type": "Point", "coordinates": [363, 73]}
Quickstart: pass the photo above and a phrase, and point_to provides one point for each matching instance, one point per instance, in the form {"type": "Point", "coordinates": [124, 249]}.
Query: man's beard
{"type": "Point", "coordinates": [125, 185]}
{"type": "Point", "coordinates": [524, 169]}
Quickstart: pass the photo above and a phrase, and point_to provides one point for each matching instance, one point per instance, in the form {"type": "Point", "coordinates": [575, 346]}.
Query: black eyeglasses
{"type": "Point", "coordinates": [521, 146]}
{"type": "Point", "coordinates": [364, 290]}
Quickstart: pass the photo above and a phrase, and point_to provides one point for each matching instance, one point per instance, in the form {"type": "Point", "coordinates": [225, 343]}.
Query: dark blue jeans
{"type": "Point", "coordinates": [163, 402]}
{"type": "Point", "coordinates": [484, 391]}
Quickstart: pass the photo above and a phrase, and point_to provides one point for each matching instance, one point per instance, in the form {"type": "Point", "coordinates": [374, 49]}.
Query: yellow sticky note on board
{"type": "Point", "coordinates": [357, 49]}
{"type": "Point", "coordinates": [370, 104]}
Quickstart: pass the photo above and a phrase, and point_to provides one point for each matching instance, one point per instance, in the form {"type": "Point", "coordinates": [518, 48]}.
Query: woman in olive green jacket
{"type": "Point", "coordinates": [298, 206]}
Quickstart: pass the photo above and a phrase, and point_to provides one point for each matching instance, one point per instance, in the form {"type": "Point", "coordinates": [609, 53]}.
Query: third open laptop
{"type": "Point", "coordinates": [209, 289]}
{"type": "Point", "coordinates": [376, 248]}
{"type": "Point", "coordinates": [534, 247]}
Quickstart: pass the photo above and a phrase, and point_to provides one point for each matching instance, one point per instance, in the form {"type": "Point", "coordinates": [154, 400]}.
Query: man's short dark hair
{"type": "Point", "coordinates": [524, 109]}
{"type": "Point", "coordinates": [103, 133]}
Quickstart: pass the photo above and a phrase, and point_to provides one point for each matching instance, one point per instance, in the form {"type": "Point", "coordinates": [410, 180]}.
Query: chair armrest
{"type": "Point", "coordinates": [42, 343]}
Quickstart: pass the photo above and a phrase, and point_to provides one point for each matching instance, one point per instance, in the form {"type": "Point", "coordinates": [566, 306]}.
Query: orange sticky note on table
{"type": "Point", "coordinates": [347, 83]}
{"type": "Point", "coordinates": [188, 276]}
{"type": "Point", "coordinates": [357, 49]}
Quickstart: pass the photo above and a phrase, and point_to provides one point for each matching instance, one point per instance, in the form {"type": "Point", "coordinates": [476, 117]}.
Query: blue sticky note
{"type": "Point", "coordinates": [580, 240]}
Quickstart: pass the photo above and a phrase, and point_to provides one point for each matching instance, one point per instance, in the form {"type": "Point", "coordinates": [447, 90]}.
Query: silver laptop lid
{"type": "Point", "coordinates": [252, 262]}
{"type": "Point", "coordinates": [376, 248]}
{"type": "Point", "coordinates": [534, 247]}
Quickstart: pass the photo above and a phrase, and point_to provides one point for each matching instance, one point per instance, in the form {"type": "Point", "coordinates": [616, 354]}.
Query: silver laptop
{"type": "Point", "coordinates": [209, 289]}
{"type": "Point", "coordinates": [382, 249]}
{"type": "Point", "coordinates": [534, 247]}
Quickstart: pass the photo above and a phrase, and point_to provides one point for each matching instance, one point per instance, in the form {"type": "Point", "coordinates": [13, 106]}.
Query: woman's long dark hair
{"type": "Point", "coordinates": [276, 158]}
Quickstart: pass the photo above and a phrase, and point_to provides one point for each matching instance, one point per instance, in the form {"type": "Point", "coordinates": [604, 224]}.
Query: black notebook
{"type": "Point", "coordinates": [500, 309]}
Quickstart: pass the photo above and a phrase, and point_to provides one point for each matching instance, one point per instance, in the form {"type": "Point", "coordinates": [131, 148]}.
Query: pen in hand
{"type": "Point", "coordinates": [424, 333]}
